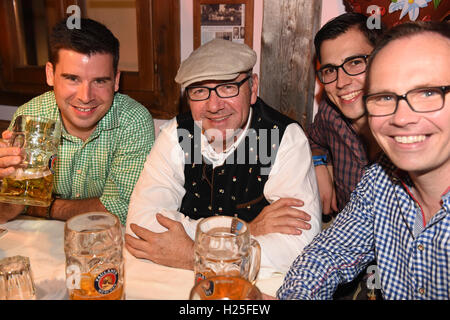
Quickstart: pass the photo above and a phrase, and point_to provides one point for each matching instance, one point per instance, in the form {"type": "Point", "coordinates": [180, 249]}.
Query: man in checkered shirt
{"type": "Point", "coordinates": [106, 135]}
{"type": "Point", "coordinates": [400, 210]}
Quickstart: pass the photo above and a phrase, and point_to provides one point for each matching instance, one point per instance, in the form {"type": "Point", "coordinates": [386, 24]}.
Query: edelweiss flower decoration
{"type": "Point", "coordinates": [410, 7]}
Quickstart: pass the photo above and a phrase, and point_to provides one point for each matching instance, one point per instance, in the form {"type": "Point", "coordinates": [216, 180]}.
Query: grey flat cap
{"type": "Point", "coordinates": [217, 59]}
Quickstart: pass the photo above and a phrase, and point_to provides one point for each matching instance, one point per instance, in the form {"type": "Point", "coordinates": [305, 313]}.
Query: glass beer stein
{"type": "Point", "coordinates": [32, 182]}
{"type": "Point", "coordinates": [225, 288]}
{"type": "Point", "coordinates": [16, 279]}
{"type": "Point", "coordinates": [93, 244]}
{"type": "Point", "coordinates": [223, 246]}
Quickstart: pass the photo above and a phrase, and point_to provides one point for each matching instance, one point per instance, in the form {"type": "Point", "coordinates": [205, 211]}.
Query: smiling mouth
{"type": "Point", "coordinates": [85, 110]}
{"type": "Point", "coordinates": [409, 139]}
{"type": "Point", "coordinates": [218, 119]}
{"type": "Point", "coordinates": [351, 95]}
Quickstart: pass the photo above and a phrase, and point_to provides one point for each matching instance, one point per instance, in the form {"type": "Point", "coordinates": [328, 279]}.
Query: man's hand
{"type": "Point", "coordinates": [281, 217]}
{"type": "Point", "coordinates": [326, 189]}
{"type": "Point", "coordinates": [9, 211]}
{"type": "Point", "coordinates": [9, 156]}
{"type": "Point", "coordinates": [172, 248]}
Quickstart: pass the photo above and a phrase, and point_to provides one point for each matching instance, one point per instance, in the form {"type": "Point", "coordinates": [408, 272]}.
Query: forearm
{"type": "Point", "coordinates": [63, 209]}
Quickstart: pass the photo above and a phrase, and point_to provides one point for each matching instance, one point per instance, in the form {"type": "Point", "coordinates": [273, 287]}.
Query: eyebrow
{"type": "Point", "coordinates": [69, 75]}
{"type": "Point", "coordinates": [420, 86]}
{"type": "Point", "coordinates": [345, 60]}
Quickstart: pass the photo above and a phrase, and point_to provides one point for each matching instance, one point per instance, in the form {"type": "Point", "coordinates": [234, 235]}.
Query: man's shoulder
{"type": "Point", "coordinates": [328, 112]}
{"type": "Point", "coordinates": [269, 117]}
{"type": "Point", "coordinates": [184, 120]}
{"type": "Point", "coordinates": [383, 171]}
{"type": "Point", "coordinates": [128, 107]}
{"type": "Point", "coordinates": [39, 105]}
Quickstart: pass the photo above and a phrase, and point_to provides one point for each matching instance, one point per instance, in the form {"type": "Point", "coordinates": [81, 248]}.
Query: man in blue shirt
{"type": "Point", "coordinates": [399, 212]}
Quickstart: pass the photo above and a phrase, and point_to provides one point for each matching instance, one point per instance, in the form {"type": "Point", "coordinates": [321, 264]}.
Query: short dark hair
{"type": "Point", "coordinates": [341, 24]}
{"type": "Point", "coordinates": [93, 37]}
{"type": "Point", "coordinates": [405, 30]}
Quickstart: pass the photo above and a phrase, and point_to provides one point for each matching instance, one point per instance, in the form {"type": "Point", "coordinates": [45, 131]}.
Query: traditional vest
{"type": "Point", "coordinates": [236, 187]}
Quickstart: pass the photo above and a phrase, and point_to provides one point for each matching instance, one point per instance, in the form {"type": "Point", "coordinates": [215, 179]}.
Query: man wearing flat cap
{"type": "Point", "coordinates": [231, 155]}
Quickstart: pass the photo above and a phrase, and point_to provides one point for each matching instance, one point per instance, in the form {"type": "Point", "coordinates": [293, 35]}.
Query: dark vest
{"type": "Point", "coordinates": [236, 187]}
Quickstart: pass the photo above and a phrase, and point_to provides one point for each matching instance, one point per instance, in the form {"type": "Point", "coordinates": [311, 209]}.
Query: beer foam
{"type": "Point", "coordinates": [21, 174]}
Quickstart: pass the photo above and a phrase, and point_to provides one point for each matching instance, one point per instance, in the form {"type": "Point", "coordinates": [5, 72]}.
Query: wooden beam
{"type": "Point", "coordinates": [287, 56]}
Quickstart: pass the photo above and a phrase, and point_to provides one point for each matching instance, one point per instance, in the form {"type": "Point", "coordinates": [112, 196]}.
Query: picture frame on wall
{"type": "Point", "coordinates": [226, 19]}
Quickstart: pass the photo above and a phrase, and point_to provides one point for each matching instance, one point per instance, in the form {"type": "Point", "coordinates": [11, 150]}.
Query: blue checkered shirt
{"type": "Point", "coordinates": [384, 222]}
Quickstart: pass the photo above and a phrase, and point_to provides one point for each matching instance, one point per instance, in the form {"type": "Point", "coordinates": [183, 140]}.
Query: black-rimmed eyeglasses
{"type": "Point", "coordinates": [223, 90]}
{"type": "Point", "coordinates": [419, 100]}
{"type": "Point", "coordinates": [352, 66]}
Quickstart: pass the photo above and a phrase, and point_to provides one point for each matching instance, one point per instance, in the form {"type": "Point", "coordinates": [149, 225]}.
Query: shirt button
{"type": "Point", "coordinates": [420, 247]}
{"type": "Point", "coordinates": [422, 291]}
{"type": "Point", "coordinates": [78, 171]}
{"type": "Point", "coordinates": [77, 195]}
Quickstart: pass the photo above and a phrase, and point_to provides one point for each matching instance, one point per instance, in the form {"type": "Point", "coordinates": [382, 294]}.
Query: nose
{"type": "Point", "coordinates": [343, 79]}
{"type": "Point", "coordinates": [404, 115]}
{"type": "Point", "coordinates": [84, 93]}
{"type": "Point", "coordinates": [214, 103]}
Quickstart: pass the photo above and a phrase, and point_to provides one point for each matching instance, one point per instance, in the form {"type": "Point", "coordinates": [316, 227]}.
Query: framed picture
{"type": "Point", "coordinates": [226, 19]}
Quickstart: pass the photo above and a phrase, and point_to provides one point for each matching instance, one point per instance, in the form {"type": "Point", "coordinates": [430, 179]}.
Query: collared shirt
{"type": "Point", "coordinates": [160, 188]}
{"type": "Point", "coordinates": [378, 222]}
{"type": "Point", "coordinates": [332, 135]}
{"type": "Point", "coordinates": [106, 165]}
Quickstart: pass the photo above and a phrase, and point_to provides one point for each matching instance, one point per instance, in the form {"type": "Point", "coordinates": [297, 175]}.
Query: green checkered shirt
{"type": "Point", "coordinates": [108, 164]}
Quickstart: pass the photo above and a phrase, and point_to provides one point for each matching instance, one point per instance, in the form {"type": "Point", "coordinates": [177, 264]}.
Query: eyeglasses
{"type": "Point", "coordinates": [419, 100]}
{"type": "Point", "coordinates": [223, 90]}
{"type": "Point", "coordinates": [352, 66]}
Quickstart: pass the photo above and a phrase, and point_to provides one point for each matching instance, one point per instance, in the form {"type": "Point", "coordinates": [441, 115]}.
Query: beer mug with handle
{"type": "Point", "coordinates": [223, 246]}
{"type": "Point", "coordinates": [32, 182]}
{"type": "Point", "coordinates": [93, 243]}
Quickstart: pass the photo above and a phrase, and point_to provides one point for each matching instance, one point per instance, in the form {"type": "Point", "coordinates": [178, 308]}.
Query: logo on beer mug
{"type": "Point", "coordinates": [52, 163]}
{"type": "Point", "coordinates": [106, 281]}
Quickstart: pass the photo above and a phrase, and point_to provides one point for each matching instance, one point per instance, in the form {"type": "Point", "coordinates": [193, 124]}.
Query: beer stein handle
{"type": "Point", "coordinates": [255, 261]}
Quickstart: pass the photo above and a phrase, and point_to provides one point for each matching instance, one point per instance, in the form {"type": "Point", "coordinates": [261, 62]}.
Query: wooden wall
{"type": "Point", "coordinates": [287, 56]}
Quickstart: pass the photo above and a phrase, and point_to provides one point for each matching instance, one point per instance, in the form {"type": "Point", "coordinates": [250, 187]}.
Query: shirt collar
{"type": "Point", "coordinates": [218, 159]}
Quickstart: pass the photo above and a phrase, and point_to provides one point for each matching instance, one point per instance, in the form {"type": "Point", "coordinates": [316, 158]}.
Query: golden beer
{"type": "Point", "coordinates": [27, 190]}
{"type": "Point", "coordinates": [225, 288]}
{"type": "Point", "coordinates": [232, 268]}
{"type": "Point", "coordinates": [90, 286]}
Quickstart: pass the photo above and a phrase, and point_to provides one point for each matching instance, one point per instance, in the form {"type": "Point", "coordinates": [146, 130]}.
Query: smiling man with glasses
{"type": "Point", "coordinates": [340, 139]}
{"type": "Point", "coordinates": [399, 213]}
{"type": "Point", "coordinates": [230, 155]}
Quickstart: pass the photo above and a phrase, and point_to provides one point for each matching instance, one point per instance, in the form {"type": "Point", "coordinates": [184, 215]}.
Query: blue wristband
{"type": "Point", "coordinates": [320, 160]}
